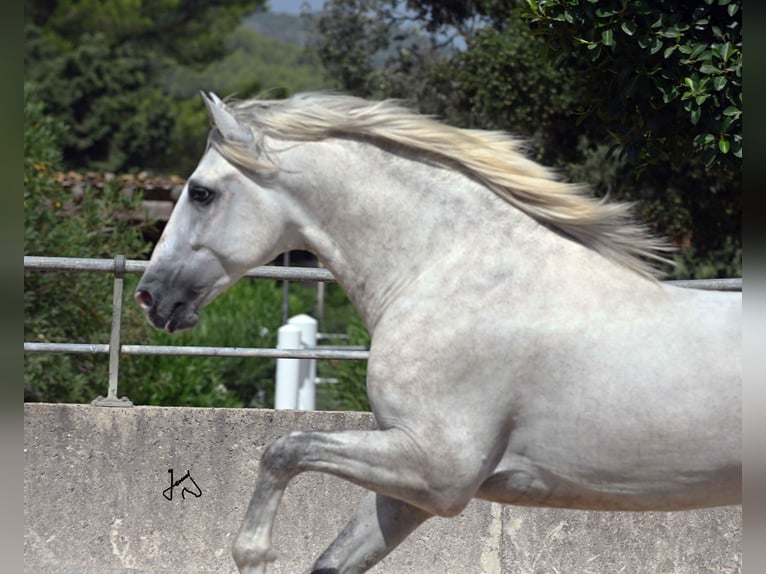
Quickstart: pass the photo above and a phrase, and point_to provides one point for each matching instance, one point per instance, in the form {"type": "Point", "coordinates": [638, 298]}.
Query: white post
{"type": "Point", "coordinates": [288, 370]}
{"type": "Point", "coordinates": [308, 372]}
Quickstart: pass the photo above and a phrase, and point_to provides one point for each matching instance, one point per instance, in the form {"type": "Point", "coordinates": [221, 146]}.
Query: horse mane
{"type": "Point", "coordinates": [494, 158]}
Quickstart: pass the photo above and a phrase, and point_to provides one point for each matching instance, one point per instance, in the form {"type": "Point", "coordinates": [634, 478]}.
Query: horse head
{"type": "Point", "coordinates": [227, 220]}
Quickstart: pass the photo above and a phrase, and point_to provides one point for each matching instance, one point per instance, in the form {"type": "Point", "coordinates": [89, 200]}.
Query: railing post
{"type": "Point", "coordinates": [288, 370]}
{"type": "Point", "coordinates": [111, 399]}
{"type": "Point", "coordinates": [308, 371]}
{"type": "Point", "coordinates": [285, 290]}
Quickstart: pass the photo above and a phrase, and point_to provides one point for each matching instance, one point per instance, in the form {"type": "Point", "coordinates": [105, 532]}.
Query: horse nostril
{"type": "Point", "coordinates": [144, 299]}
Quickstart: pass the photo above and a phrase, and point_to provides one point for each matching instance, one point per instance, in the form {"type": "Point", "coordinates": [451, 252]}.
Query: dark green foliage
{"type": "Point", "coordinates": [112, 117]}
{"type": "Point", "coordinates": [187, 140]}
{"type": "Point", "coordinates": [663, 84]}
{"type": "Point", "coordinates": [461, 15]}
{"type": "Point", "coordinates": [665, 78]}
{"type": "Point", "coordinates": [125, 82]}
{"type": "Point", "coordinates": [503, 81]}
{"type": "Point", "coordinates": [186, 32]}
{"type": "Point", "coordinates": [97, 67]}
{"type": "Point", "coordinates": [348, 40]}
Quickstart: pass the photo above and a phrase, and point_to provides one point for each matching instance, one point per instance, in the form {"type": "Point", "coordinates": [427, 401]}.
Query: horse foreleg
{"type": "Point", "coordinates": [389, 462]}
{"type": "Point", "coordinates": [378, 526]}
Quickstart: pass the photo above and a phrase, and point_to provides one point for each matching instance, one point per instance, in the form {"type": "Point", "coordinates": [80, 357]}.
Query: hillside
{"type": "Point", "coordinates": [258, 62]}
{"type": "Point", "coordinates": [284, 28]}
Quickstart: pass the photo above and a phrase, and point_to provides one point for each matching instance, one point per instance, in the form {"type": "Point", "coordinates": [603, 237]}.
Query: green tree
{"type": "Point", "coordinates": [187, 32]}
{"type": "Point", "coordinates": [98, 68]}
{"type": "Point", "coordinates": [113, 119]}
{"type": "Point", "coordinates": [503, 81]}
{"type": "Point", "coordinates": [254, 63]}
{"type": "Point", "coordinates": [351, 33]}
{"type": "Point", "coordinates": [662, 82]}
{"type": "Point", "coordinates": [663, 78]}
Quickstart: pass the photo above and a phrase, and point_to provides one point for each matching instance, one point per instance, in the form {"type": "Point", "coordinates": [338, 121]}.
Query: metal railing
{"type": "Point", "coordinates": [119, 267]}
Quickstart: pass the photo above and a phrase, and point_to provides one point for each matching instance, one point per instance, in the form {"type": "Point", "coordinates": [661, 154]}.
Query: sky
{"type": "Point", "coordinates": [293, 6]}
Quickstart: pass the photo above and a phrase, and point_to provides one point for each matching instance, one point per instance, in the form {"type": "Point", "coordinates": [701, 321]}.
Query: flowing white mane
{"type": "Point", "coordinates": [492, 157]}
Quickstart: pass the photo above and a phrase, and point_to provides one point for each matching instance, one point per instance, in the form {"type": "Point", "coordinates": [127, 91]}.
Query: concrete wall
{"type": "Point", "coordinates": [93, 504]}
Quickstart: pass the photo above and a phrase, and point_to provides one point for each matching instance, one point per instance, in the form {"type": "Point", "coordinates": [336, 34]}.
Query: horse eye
{"type": "Point", "coordinates": [201, 195]}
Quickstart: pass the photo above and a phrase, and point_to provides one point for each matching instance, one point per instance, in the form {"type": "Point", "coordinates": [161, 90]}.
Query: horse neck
{"type": "Point", "coordinates": [378, 220]}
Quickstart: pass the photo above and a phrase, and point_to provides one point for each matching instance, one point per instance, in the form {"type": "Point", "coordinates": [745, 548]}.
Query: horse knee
{"type": "Point", "coordinates": [449, 490]}
{"type": "Point", "coordinates": [449, 506]}
{"type": "Point", "coordinates": [446, 480]}
{"type": "Point", "coordinates": [280, 457]}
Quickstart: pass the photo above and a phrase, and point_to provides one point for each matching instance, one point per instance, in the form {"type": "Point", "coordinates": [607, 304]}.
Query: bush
{"type": "Point", "coordinates": [664, 78]}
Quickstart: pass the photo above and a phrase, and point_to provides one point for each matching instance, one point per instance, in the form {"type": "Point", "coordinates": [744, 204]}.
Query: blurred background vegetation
{"type": "Point", "coordinates": [642, 100]}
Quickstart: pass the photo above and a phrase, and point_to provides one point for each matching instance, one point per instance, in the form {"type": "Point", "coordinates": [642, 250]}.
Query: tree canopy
{"type": "Point", "coordinates": [665, 77]}
{"type": "Point", "coordinates": [98, 68]}
{"type": "Point", "coordinates": [187, 32]}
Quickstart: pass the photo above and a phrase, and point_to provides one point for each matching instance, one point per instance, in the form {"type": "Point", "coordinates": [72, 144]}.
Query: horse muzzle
{"type": "Point", "coordinates": [167, 308]}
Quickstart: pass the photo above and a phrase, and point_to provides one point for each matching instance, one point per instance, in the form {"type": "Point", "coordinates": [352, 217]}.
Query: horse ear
{"type": "Point", "coordinates": [230, 128]}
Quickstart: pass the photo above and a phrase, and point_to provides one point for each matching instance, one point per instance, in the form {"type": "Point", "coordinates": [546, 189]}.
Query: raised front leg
{"type": "Point", "coordinates": [378, 526]}
{"type": "Point", "coordinates": [440, 479]}
{"type": "Point", "coordinates": [252, 549]}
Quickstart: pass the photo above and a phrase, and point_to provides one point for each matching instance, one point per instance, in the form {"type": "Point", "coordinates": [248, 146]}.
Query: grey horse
{"type": "Point", "coordinates": [564, 375]}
